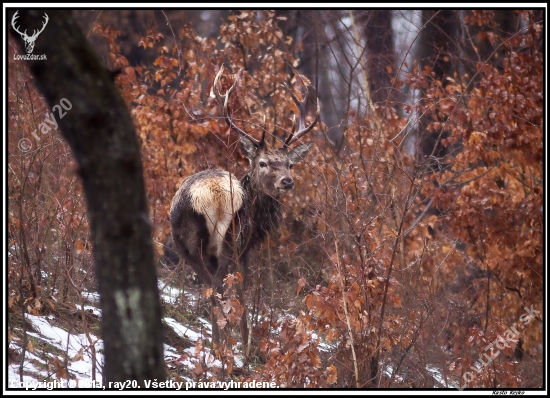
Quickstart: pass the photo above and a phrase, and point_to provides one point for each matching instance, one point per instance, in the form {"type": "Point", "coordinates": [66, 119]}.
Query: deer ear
{"type": "Point", "coordinates": [299, 153]}
{"type": "Point", "coordinates": [248, 148]}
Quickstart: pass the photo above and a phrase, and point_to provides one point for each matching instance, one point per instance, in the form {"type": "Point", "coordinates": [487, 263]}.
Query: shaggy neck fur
{"type": "Point", "coordinates": [265, 212]}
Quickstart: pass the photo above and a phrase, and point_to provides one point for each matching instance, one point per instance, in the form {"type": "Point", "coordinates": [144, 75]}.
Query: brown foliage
{"type": "Point", "coordinates": [397, 263]}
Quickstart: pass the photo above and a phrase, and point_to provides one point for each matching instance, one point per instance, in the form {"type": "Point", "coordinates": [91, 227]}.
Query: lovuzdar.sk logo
{"type": "Point", "coordinates": [29, 40]}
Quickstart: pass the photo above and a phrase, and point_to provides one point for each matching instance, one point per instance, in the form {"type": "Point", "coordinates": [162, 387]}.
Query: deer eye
{"type": "Point", "coordinates": [263, 164]}
{"type": "Point", "coordinates": [291, 166]}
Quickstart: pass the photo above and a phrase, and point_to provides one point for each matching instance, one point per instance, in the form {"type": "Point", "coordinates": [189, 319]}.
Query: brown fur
{"type": "Point", "coordinates": [209, 203]}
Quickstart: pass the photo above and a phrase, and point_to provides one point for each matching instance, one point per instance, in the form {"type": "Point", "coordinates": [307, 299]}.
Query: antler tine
{"type": "Point", "coordinates": [292, 132]}
{"type": "Point", "coordinates": [224, 102]}
{"type": "Point", "coordinates": [45, 16]}
{"type": "Point", "coordinates": [302, 129]}
{"type": "Point", "coordinates": [264, 129]}
{"type": "Point", "coordinates": [15, 16]}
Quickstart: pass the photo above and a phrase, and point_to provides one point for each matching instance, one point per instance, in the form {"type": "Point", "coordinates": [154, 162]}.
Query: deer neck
{"type": "Point", "coordinates": [265, 211]}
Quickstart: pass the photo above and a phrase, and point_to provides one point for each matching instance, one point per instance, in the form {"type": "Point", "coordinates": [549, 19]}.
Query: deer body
{"type": "Point", "coordinates": [201, 214]}
{"type": "Point", "coordinates": [213, 214]}
{"type": "Point", "coordinates": [217, 219]}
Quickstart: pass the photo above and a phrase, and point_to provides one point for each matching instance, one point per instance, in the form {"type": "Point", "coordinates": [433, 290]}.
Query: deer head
{"type": "Point", "coordinates": [29, 40]}
{"type": "Point", "coordinates": [269, 167]}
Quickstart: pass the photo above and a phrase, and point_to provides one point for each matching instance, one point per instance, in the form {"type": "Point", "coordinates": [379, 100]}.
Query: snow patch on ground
{"type": "Point", "coordinates": [92, 297]}
{"type": "Point", "coordinates": [95, 311]}
{"type": "Point", "coordinates": [171, 294]}
{"type": "Point", "coordinates": [37, 366]}
{"type": "Point", "coordinates": [436, 374]}
{"type": "Point", "coordinates": [205, 323]}
{"type": "Point", "coordinates": [183, 331]}
{"type": "Point", "coordinates": [77, 348]}
{"type": "Point", "coordinates": [389, 370]}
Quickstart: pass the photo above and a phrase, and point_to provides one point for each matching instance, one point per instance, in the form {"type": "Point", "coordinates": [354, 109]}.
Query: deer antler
{"type": "Point", "coordinates": [43, 26]}
{"type": "Point", "coordinates": [24, 34]}
{"type": "Point", "coordinates": [224, 101]}
{"type": "Point", "coordinates": [302, 129]}
{"type": "Point", "coordinates": [15, 16]}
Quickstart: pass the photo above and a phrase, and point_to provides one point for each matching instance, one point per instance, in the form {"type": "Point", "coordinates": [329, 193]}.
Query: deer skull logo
{"type": "Point", "coordinates": [29, 40]}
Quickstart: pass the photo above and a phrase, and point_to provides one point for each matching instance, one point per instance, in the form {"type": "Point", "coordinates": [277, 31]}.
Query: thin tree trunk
{"type": "Point", "coordinates": [381, 54]}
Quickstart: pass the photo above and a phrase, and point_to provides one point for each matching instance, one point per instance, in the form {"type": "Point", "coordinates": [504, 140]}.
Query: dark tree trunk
{"type": "Point", "coordinates": [439, 52]}
{"type": "Point", "coordinates": [306, 27]}
{"type": "Point", "coordinates": [381, 53]}
{"type": "Point", "coordinates": [437, 43]}
{"type": "Point", "coordinates": [101, 134]}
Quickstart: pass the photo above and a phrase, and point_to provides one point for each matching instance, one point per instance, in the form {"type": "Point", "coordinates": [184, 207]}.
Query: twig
{"type": "Point", "coordinates": [419, 218]}
{"type": "Point", "coordinates": [174, 36]}
{"type": "Point", "coordinates": [346, 312]}
{"type": "Point", "coordinates": [92, 28]}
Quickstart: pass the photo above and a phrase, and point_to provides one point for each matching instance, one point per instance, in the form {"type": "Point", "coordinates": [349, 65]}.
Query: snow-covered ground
{"type": "Point", "coordinates": [38, 368]}
{"type": "Point", "coordinates": [53, 344]}
{"type": "Point", "coordinates": [56, 344]}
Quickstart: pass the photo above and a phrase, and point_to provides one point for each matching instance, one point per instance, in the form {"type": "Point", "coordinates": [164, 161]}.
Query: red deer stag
{"type": "Point", "coordinates": [216, 219]}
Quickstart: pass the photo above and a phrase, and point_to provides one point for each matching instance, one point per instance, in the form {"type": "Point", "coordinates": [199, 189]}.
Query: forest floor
{"type": "Point", "coordinates": [57, 347]}
{"type": "Point", "coordinates": [61, 347]}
